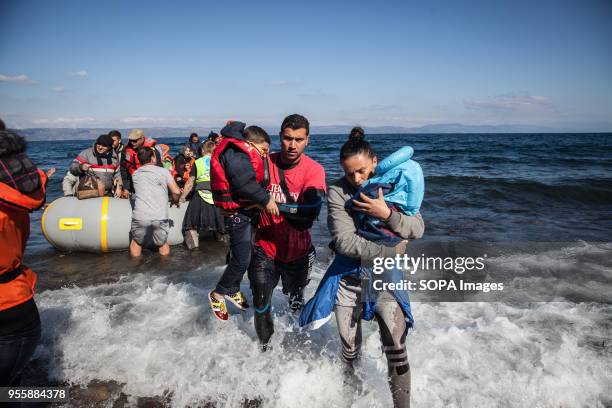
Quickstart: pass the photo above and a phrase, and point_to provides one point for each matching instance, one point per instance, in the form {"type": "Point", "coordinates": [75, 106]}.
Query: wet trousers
{"type": "Point", "coordinates": [15, 352]}
{"type": "Point", "coordinates": [264, 274]}
{"type": "Point", "coordinates": [392, 327]}
{"type": "Point", "coordinates": [240, 229]}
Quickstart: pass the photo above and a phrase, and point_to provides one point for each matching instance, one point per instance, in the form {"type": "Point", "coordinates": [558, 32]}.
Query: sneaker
{"type": "Point", "coordinates": [296, 300]}
{"type": "Point", "coordinates": [218, 307]}
{"type": "Point", "coordinates": [238, 300]}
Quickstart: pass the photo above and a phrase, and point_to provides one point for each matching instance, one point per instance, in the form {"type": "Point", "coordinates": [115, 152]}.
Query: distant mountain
{"type": "Point", "coordinates": [460, 128]}
{"type": "Point", "coordinates": [183, 132]}
{"type": "Point", "coordinates": [440, 128]}
{"type": "Point", "coordinates": [93, 133]}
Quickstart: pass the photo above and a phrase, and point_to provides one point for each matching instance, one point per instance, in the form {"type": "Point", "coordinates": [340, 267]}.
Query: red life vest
{"type": "Point", "coordinates": [131, 155]}
{"type": "Point", "coordinates": [220, 187]}
{"type": "Point", "coordinates": [16, 281]}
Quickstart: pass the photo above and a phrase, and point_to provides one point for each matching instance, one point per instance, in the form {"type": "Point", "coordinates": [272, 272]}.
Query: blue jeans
{"type": "Point", "coordinates": [15, 352]}
{"type": "Point", "coordinates": [240, 230]}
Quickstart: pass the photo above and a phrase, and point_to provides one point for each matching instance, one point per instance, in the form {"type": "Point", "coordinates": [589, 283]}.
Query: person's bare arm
{"type": "Point", "coordinates": [187, 189]}
{"type": "Point", "coordinates": [174, 189]}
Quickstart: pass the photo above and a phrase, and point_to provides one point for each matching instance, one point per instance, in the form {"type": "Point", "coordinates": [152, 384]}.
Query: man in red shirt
{"type": "Point", "coordinates": [283, 248]}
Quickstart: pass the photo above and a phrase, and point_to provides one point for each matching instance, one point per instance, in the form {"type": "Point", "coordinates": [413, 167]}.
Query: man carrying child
{"type": "Point", "coordinates": [238, 179]}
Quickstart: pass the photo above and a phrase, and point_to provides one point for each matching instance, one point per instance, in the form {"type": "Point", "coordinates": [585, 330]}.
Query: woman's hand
{"type": "Point", "coordinates": [376, 207]}
{"type": "Point", "coordinates": [400, 249]}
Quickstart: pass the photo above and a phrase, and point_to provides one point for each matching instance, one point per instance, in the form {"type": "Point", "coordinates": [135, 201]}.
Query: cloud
{"type": "Point", "coordinates": [509, 102]}
{"type": "Point", "coordinates": [18, 78]}
{"type": "Point", "coordinates": [130, 120]}
{"type": "Point", "coordinates": [8, 114]}
{"type": "Point", "coordinates": [82, 73]}
{"type": "Point", "coordinates": [58, 89]}
{"type": "Point", "coordinates": [65, 121]}
{"type": "Point", "coordinates": [162, 121]}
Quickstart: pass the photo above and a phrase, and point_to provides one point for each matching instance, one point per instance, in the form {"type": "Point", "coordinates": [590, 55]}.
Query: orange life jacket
{"type": "Point", "coordinates": [188, 166]}
{"type": "Point", "coordinates": [220, 187]}
{"type": "Point", "coordinates": [131, 155]}
{"type": "Point", "coordinates": [16, 281]}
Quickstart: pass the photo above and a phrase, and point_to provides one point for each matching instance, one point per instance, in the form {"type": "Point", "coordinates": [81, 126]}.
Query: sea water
{"type": "Point", "coordinates": [138, 329]}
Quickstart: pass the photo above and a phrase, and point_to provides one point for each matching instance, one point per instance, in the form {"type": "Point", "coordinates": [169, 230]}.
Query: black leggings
{"type": "Point", "coordinates": [264, 274]}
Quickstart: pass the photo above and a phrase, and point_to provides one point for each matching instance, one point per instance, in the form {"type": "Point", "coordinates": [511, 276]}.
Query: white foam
{"type": "Point", "coordinates": [155, 336]}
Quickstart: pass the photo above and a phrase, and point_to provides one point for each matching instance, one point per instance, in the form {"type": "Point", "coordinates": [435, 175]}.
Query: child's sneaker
{"type": "Point", "coordinates": [238, 300]}
{"type": "Point", "coordinates": [218, 307]}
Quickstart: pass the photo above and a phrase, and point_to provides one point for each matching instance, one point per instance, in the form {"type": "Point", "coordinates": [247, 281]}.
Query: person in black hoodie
{"type": "Point", "coordinates": [238, 179]}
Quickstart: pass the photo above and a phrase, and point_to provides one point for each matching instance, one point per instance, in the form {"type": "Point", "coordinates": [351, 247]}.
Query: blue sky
{"type": "Point", "coordinates": [405, 63]}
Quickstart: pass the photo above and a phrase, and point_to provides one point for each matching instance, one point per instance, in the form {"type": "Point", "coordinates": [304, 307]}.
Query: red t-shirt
{"type": "Point", "coordinates": [279, 240]}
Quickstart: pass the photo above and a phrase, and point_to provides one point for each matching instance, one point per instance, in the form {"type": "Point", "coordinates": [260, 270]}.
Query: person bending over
{"type": "Point", "coordinates": [129, 162]}
{"type": "Point", "coordinates": [150, 221]}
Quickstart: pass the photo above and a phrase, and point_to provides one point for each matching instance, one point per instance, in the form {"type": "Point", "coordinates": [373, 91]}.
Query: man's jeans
{"type": "Point", "coordinates": [15, 352]}
{"type": "Point", "coordinates": [240, 230]}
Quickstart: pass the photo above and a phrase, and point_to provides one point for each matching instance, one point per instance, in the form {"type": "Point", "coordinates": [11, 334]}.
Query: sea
{"type": "Point", "coordinates": [122, 332]}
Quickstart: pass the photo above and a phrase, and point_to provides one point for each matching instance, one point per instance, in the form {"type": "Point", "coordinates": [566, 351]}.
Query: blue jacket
{"type": "Point", "coordinates": [318, 310]}
{"type": "Point", "coordinates": [402, 182]}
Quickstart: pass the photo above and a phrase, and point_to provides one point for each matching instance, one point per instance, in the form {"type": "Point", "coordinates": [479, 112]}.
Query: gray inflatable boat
{"type": "Point", "coordinates": [98, 224]}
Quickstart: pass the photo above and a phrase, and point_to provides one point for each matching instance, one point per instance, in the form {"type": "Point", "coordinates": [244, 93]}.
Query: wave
{"type": "Point", "coordinates": [587, 191]}
{"type": "Point", "coordinates": [156, 338]}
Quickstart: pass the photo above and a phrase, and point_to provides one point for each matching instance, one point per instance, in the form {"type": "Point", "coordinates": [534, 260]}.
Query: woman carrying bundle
{"type": "Point", "coordinates": [363, 227]}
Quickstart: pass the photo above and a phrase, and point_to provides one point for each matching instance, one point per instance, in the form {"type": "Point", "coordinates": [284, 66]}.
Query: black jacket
{"type": "Point", "coordinates": [241, 176]}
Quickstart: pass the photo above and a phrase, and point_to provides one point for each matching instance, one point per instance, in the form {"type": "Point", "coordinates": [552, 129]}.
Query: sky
{"type": "Point", "coordinates": [390, 63]}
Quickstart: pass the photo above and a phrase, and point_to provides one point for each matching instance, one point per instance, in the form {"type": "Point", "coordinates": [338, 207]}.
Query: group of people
{"type": "Point", "coordinates": [145, 171]}
{"type": "Point", "coordinates": [114, 163]}
{"type": "Point", "coordinates": [266, 203]}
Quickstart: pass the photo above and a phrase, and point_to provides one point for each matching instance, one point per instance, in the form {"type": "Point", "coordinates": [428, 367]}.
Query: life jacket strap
{"type": "Point", "coordinates": [11, 275]}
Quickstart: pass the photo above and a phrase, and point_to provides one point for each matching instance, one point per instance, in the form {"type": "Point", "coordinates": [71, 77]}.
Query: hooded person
{"type": "Point", "coordinates": [22, 190]}
{"type": "Point", "coordinates": [100, 159]}
{"type": "Point", "coordinates": [238, 180]}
